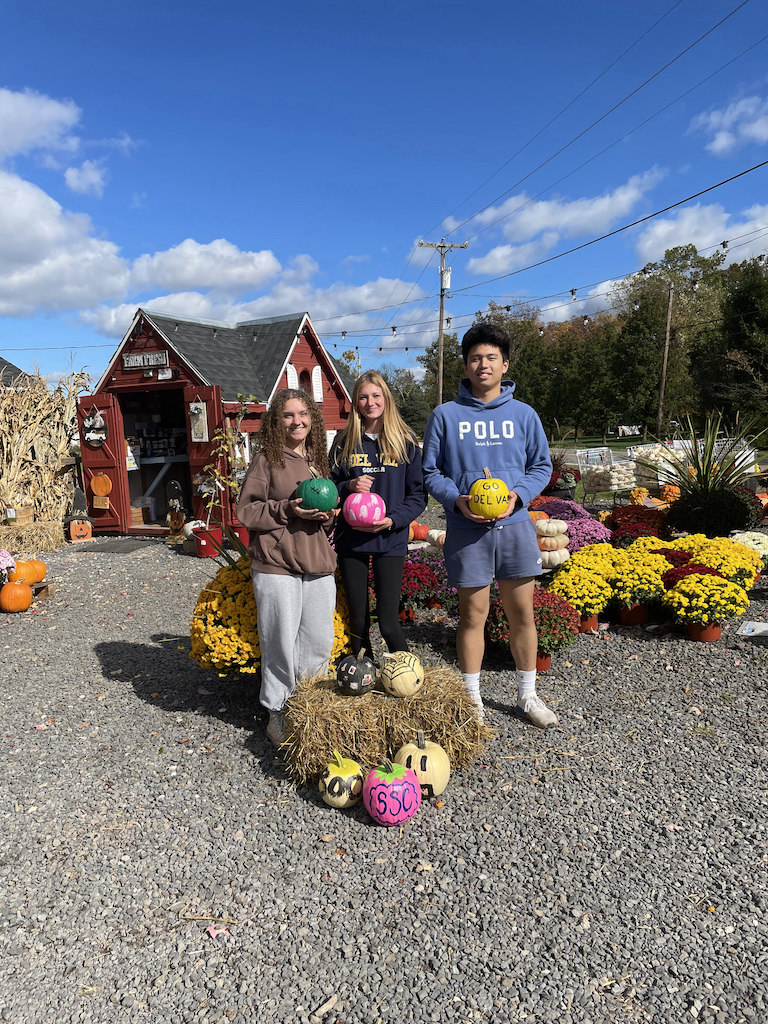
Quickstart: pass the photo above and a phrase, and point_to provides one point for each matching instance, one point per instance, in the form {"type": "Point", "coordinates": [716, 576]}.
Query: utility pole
{"type": "Point", "coordinates": [664, 362]}
{"type": "Point", "coordinates": [445, 283]}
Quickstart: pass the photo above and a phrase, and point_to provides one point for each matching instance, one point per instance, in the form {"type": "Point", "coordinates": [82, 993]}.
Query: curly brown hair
{"type": "Point", "coordinates": [272, 432]}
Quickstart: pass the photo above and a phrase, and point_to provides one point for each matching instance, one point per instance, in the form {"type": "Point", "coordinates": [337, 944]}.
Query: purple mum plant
{"type": "Point", "coordinates": [583, 532]}
{"type": "Point", "coordinates": [568, 510]}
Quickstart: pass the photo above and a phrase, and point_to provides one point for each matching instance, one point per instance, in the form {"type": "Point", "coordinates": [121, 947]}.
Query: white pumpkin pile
{"type": "Point", "coordinates": [552, 535]}
{"type": "Point", "coordinates": [620, 477]}
{"type": "Point", "coordinates": [661, 455]}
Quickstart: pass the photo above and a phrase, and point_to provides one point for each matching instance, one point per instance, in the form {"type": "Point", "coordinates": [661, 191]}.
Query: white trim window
{"type": "Point", "coordinates": [292, 376]}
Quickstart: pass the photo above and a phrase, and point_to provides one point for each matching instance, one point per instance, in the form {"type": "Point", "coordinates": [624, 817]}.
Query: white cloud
{"type": "Point", "coordinates": [521, 220]}
{"type": "Point", "coordinates": [137, 200]}
{"type": "Point", "coordinates": [49, 259]}
{"type": "Point", "coordinates": [354, 259]}
{"type": "Point", "coordinates": [218, 264]}
{"type": "Point", "coordinates": [741, 122]}
{"type": "Point", "coordinates": [87, 180]}
{"type": "Point", "coordinates": [706, 226]}
{"type": "Point", "coordinates": [123, 143]}
{"type": "Point", "coordinates": [29, 120]}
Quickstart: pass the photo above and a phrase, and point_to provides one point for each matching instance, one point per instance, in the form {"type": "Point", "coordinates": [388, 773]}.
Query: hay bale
{"type": "Point", "coordinates": [33, 539]}
{"type": "Point", "coordinates": [320, 719]}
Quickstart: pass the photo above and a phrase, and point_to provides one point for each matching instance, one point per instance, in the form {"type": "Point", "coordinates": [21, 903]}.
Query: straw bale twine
{"type": "Point", "coordinates": [320, 719]}
{"type": "Point", "coordinates": [38, 537]}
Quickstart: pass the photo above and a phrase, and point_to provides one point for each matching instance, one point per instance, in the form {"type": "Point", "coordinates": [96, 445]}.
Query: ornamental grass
{"type": "Point", "coordinates": [224, 629]}
{"type": "Point", "coordinates": [320, 719]}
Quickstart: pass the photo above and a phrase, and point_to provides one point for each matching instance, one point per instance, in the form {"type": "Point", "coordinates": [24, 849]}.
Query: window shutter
{"type": "Point", "coordinates": [317, 384]}
{"type": "Point", "coordinates": [330, 437]}
{"type": "Point", "coordinates": [293, 377]}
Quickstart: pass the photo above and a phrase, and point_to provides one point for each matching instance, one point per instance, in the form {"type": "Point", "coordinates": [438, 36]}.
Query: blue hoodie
{"type": "Point", "coordinates": [464, 436]}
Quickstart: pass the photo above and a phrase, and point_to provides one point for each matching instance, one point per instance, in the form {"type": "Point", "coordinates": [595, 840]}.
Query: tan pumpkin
{"type": "Point", "coordinates": [553, 559]}
{"type": "Point", "coordinates": [15, 597]}
{"type": "Point", "coordinates": [553, 543]}
{"type": "Point", "coordinates": [430, 763]}
{"type": "Point", "coordinates": [402, 674]}
{"type": "Point", "coordinates": [551, 527]}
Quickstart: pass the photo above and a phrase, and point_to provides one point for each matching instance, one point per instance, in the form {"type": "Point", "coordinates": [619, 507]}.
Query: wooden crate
{"type": "Point", "coordinates": [21, 516]}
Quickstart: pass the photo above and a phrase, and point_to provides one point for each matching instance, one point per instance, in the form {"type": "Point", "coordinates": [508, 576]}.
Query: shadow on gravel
{"type": "Point", "coordinates": [163, 675]}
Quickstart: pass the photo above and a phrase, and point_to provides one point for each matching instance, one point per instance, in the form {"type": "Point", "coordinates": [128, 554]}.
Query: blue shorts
{"type": "Point", "coordinates": [506, 551]}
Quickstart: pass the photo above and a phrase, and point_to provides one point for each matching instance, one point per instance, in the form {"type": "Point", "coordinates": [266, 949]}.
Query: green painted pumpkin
{"type": "Point", "coordinates": [318, 493]}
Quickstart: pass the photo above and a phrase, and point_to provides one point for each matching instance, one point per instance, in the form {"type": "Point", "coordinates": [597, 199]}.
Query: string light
{"type": "Point", "coordinates": [586, 320]}
{"type": "Point", "coordinates": [573, 294]}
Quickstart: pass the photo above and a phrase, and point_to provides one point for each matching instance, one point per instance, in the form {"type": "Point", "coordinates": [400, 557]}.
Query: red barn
{"type": "Point", "coordinates": [173, 382]}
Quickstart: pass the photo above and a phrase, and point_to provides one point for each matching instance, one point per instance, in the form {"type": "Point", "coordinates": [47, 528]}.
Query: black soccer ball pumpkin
{"type": "Point", "coordinates": [356, 675]}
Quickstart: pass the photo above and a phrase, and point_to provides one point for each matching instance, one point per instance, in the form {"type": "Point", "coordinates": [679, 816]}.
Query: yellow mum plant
{"type": "Point", "coordinates": [224, 628]}
{"type": "Point", "coordinates": [638, 495]}
{"type": "Point", "coordinates": [705, 599]}
{"type": "Point", "coordinates": [736, 562]}
{"type": "Point", "coordinates": [588, 592]}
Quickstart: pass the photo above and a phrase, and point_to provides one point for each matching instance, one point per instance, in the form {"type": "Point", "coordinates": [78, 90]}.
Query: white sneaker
{"type": "Point", "coordinates": [477, 700]}
{"type": "Point", "coordinates": [276, 728]}
{"type": "Point", "coordinates": [536, 711]}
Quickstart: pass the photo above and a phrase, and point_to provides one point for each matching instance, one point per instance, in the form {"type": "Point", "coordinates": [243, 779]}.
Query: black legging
{"type": "Point", "coordinates": [387, 582]}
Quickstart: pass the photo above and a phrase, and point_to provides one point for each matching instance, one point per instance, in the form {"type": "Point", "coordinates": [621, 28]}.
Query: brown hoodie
{"type": "Point", "coordinates": [279, 541]}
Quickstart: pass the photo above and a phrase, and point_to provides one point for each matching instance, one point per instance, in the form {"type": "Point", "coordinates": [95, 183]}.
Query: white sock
{"type": "Point", "coordinates": [472, 686]}
{"type": "Point", "coordinates": [526, 684]}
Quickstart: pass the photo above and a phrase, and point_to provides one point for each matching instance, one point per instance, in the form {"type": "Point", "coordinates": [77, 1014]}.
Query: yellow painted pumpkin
{"type": "Point", "coordinates": [342, 783]}
{"type": "Point", "coordinates": [488, 496]}
{"type": "Point", "coordinates": [551, 528]}
{"type": "Point", "coordinates": [430, 763]}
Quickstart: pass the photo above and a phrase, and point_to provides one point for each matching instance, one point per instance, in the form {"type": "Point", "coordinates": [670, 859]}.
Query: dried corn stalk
{"type": "Point", "coordinates": [37, 427]}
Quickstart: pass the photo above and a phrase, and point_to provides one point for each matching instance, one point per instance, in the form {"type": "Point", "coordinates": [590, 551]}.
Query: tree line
{"type": "Point", "coordinates": [587, 375]}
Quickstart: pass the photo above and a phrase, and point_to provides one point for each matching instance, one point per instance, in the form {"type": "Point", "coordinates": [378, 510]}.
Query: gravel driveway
{"type": "Point", "coordinates": [156, 865]}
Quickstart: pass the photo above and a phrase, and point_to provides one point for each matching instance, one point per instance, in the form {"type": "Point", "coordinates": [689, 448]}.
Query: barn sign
{"type": "Point", "coordinates": [140, 360]}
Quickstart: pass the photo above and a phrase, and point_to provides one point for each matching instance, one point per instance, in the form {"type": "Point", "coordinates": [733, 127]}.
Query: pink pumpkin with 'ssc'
{"type": "Point", "coordinates": [364, 509]}
{"type": "Point", "coordinates": [391, 793]}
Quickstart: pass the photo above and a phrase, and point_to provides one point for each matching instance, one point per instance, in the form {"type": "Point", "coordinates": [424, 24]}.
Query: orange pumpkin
{"type": "Point", "coordinates": [23, 571]}
{"type": "Point", "coordinates": [15, 597]}
{"type": "Point", "coordinates": [420, 531]}
{"type": "Point", "coordinates": [537, 514]}
{"type": "Point", "coordinates": [39, 569]}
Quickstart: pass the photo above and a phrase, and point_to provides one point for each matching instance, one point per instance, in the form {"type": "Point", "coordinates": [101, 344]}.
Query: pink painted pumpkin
{"type": "Point", "coordinates": [391, 793]}
{"type": "Point", "coordinates": [364, 509]}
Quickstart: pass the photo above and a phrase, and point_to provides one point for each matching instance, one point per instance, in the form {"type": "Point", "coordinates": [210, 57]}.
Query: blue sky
{"type": "Point", "coordinates": [240, 160]}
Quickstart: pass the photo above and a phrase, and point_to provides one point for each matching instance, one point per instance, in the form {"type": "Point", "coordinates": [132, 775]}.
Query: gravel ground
{"type": "Point", "coordinates": [156, 865]}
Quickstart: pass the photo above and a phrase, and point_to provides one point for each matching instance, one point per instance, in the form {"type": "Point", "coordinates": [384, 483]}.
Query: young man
{"type": "Point", "coordinates": [487, 426]}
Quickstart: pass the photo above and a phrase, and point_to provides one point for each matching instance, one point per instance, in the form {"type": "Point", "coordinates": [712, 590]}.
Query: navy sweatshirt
{"type": "Point", "coordinates": [400, 485]}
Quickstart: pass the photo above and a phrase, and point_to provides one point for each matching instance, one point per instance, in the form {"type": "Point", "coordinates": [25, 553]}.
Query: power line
{"type": "Point", "coordinates": [555, 118]}
{"type": "Point", "coordinates": [601, 118]}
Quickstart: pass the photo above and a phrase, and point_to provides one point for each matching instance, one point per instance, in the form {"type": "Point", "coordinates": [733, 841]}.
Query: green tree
{"type": "Point", "coordinates": [408, 395]}
{"type": "Point", "coordinates": [453, 370]}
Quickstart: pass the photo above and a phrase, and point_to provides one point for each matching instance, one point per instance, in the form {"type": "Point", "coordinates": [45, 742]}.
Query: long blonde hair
{"type": "Point", "coordinates": [395, 435]}
{"type": "Point", "coordinates": [272, 431]}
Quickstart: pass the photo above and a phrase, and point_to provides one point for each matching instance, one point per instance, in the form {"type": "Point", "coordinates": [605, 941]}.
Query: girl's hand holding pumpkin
{"type": "Point", "coordinates": [360, 484]}
{"type": "Point", "coordinates": [383, 524]}
{"type": "Point", "coordinates": [309, 513]}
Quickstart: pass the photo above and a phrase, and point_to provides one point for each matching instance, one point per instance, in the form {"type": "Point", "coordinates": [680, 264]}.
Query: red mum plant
{"type": "Point", "coordinates": [419, 585]}
{"type": "Point", "coordinates": [673, 556]}
{"type": "Point", "coordinates": [673, 576]}
{"type": "Point", "coordinates": [557, 622]}
{"type": "Point", "coordinates": [623, 514]}
{"type": "Point", "coordinates": [629, 531]}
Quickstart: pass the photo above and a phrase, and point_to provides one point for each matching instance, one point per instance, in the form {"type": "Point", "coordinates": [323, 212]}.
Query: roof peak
{"type": "Point", "coordinates": [226, 324]}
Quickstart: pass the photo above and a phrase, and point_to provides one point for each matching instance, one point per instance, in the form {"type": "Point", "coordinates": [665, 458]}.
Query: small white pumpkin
{"type": "Point", "coordinates": [551, 527]}
{"type": "Point", "coordinates": [402, 674]}
{"type": "Point", "coordinates": [430, 763]}
{"type": "Point", "coordinates": [553, 559]}
{"type": "Point", "coordinates": [553, 543]}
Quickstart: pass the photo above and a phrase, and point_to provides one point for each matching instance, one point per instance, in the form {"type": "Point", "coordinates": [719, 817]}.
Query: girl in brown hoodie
{"type": "Point", "coordinates": [292, 561]}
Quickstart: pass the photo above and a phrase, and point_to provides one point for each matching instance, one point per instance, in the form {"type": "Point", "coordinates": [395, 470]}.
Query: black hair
{"type": "Point", "coordinates": [485, 334]}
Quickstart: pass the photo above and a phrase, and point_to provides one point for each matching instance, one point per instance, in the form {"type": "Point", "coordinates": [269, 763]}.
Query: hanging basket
{"type": "Point", "coordinates": [706, 632]}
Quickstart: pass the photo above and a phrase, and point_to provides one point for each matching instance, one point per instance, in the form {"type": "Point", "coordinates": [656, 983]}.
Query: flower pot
{"type": "Point", "coordinates": [588, 624]}
{"type": "Point", "coordinates": [206, 539]}
{"type": "Point", "coordinates": [635, 615]}
{"type": "Point", "coordinates": [241, 532]}
{"type": "Point", "coordinates": [564, 493]}
{"type": "Point", "coordinates": [758, 577]}
{"type": "Point", "coordinates": [705, 631]}
{"type": "Point", "coordinates": [543, 662]}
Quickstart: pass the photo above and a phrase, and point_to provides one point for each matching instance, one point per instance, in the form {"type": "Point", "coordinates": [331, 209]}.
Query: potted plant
{"type": "Point", "coordinates": [419, 586]}
{"type": "Point", "coordinates": [635, 586]}
{"type": "Point", "coordinates": [6, 563]}
{"type": "Point", "coordinates": [585, 590]}
{"type": "Point", "coordinates": [557, 625]}
{"type": "Point", "coordinates": [562, 482]}
{"type": "Point", "coordinates": [703, 601]}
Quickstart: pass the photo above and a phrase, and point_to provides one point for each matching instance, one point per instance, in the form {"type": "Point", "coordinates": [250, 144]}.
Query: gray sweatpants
{"type": "Point", "coordinates": [295, 620]}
